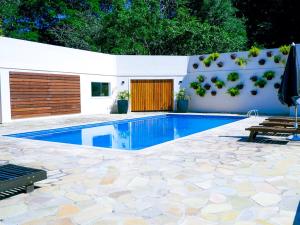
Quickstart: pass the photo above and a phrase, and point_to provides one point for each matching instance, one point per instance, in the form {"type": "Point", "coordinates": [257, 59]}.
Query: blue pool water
{"type": "Point", "coordinates": [132, 134]}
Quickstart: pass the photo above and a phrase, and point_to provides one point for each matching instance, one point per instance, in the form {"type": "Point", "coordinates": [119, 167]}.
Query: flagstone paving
{"type": "Point", "coordinates": [212, 177]}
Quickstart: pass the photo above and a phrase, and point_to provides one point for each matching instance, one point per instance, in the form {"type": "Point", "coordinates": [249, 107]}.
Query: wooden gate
{"type": "Point", "coordinates": [151, 95]}
{"type": "Point", "coordinates": [35, 94]}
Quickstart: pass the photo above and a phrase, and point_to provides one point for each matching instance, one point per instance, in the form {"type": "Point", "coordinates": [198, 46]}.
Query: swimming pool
{"type": "Point", "coordinates": [131, 134]}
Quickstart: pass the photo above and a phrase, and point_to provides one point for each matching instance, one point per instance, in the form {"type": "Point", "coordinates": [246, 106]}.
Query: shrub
{"type": "Point", "coordinates": [269, 75]}
{"type": "Point", "coordinates": [195, 66]}
{"type": "Point", "coordinates": [214, 56]}
{"type": "Point", "coordinates": [220, 64]}
{"type": "Point", "coordinates": [214, 79]}
{"type": "Point", "coordinates": [254, 78]}
{"type": "Point", "coordinates": [269, 53]}
{"type": "Point", "coordinates": [201, 57]}
{"type": "Point", "coordinates": [219, 84]}
{"type": "Point", "coordinates": [207, 62]}
{"type": "Point", "coordinates": [285, 49]}
{"type": "Point", "coordinates": [261, 83]}
{"type": "Point", "coordinates": [276, 85]}
{"type": "Point", "coordinates": [194, 85]}
{"type": "Point", "coordinates": [213, 93]}
{"type": "Point", "coordinates": [233, 91]}
{"type": "Point", "coordinates": [201, 91]}
{"type": "Point", "coordinates": [123, 95]}
{"type": "Point", "coordinates": [254, 92]}
{"type": "Point", "coordinates": [207, 86]}
{"type": "Point", "coordinates": [233, 76]}
{"type": "Point", "coordinates": [262, 62]}
{"type": "Point", "coordinates": [241, 61]}
{"type": "Point", "coordinates": [240, 86]}
{"type": "Point", "coordinates": [181, 95]}
{"type": "Point", "coordinates": [254, 51]}
{"type": "Point", "coordinates": [277, 58]}
{"type": "Point", "coordinates": [201, 78]}
{"type": "Point", "coordinates": [233, 56]}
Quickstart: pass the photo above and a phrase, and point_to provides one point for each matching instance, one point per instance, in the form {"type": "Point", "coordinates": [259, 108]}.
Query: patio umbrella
{"type": "Point", "coordinates": [289, 91]}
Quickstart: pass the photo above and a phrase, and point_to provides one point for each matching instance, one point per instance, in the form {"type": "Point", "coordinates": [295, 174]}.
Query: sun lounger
{"type": "Point", "coordinates": [281, 119]}
{"type": "Point", "coordinates": [268, 123]}
{"type": "Point", "coordinates": [255, 130]}
{"type": "Point", "coordinates": [13, 176]}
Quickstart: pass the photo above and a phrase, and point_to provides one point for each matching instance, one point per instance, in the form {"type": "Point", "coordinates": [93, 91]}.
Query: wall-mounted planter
{"type": "Point", "coordinates": [233, 91]}
{"type": "Point", "coordinates": [254, 92]}
{"type": "Point", "coordinates": [219, 84]}
{"type": "Point", "coordinates": [194, 85]}
{"type": "Point", "coordinates": [262, 62]}
{"type": "Point", "coordinates": [277, 59]}
{"type": "Point", "coordinates": [233, 56]}
{"type": "Point", "coordinates": [285, 49]}
{"type": "Point", "coordinates": [269, 75]}
{"type": "Point", "coordinates": [261, 83]}
{"type": "Point", "coordinates": [276, 85]}
{"type": "Point", "coordinates": [269, 54]}
{"type": "Point", "coordinates": [240, 86]}
{"type": "Point", "coordinates": [254, 52]}
{"type": "Point", "coordinates": [201, 78]}
{"type": "Point", "coordinates": [220, 64]}
{"type": "Point", "coordinates": [214, 79]}
{"type": "Point", "coordinates": [213, 93]}
{"type": "Point", "coordinates": [241, 61]}
{"type": "Point", "coordinates": [201, 91]}
{"type": "Point", "coordinates": [207, 62]}
{"type": "Point", "coordinates": [201, 57]}
{"type": "Point", "coordinates": [207, 86]}
{"type": "Point", "coordinates": [233, 76]}
{"type": "Point", "coordinates": [195, 66]}
{"type": "Point", "coordinates": [254, 78]}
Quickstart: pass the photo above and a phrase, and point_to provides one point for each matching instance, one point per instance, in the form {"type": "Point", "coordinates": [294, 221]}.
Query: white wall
{"type": "Point", "coordinates": [25, 56]}
{"type": "Point", "coordinates": [266, 101]}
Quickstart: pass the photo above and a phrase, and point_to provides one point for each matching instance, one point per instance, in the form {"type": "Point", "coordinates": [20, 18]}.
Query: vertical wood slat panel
{"type": "Point", "coordinates": [34, 94]}
{"type": "Point", "coordinates": [151, 95]}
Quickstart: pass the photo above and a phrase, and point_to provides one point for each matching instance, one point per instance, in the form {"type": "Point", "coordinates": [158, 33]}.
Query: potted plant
{"type": "Point", "coordinates": [219, 84]}
{"type": "Point", "coordinates": [214, 79]}
{"type": "Point", "coordinates": [277, 58]}
{"type": "Point", "coordinates": [269, 75]}
{"type": "Point", "coordinates": [207, 62]}
{"type": "Point", "coordinates": [194, 85]}
{"type": "Point", "coordinates": [285, 49]}
{"type": "Point", "coordinates": [241, 61]}
{"type": "Point", "coordinates": [201, 91]}
{"type": "Point", "coordinates": [254, 51]}
{"type": "Point", "coordinates": [233, 76]}
{"type": "Point", "coordinates": [261, 83]}
{"type": "Point", "coordinates": [269, 53]}
{"type": "Point", "coordinates": [182, 101]}
{"type": "Point", "coordinates": [214, 56]}
{"type": "Point", "coordinates": [233, 91]}
{"type": "Point", "coordinates": [123, 98]}
{"type": "Point", "coordinates": [201, 78]}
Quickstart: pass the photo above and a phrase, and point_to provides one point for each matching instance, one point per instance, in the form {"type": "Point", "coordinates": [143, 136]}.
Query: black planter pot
{"type": "Point", "coordinates": [122, 106]}
{"type": "Point", "coordinates": [182, 106]}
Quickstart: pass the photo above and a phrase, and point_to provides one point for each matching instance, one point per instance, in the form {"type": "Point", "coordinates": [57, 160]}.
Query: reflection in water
{"type": "Point", "coordinates": [133, 134]}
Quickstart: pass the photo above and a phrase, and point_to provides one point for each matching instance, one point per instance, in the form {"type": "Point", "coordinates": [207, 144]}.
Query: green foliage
{"type": "Point", "coordinates": [233, 91]}
{"type": "Point", "coordinates": [234, 76]}
{"type": "Point", "coordinates": [214, 56]}
{"type": "Point", "coordinates": [207, 61]}
{"type": "Point", "coordinates": [285, 49]}
{"type": "Point", "coordinates": [123, 95]}
{"type": "Point", "coordinates": [201, 78]}
{"type": "Point", "coordinates": [142, 27]}
{"type": "Point", "coordinates": [201, 91]}
{"type": "Point", "coordinates": [269, 75]}
{"type": "Point", "coordinates": [254, 51]}
{"type": "Point", "coordinates": [182, 95]}
{"type": "Point", "coordinates": [194, 85]}
{"type": "Point", "coordinates": [277, 58]}
{"type": "Point", "coordinates": [261, 83]}
{"type": "Point", "coordinates": [219, 84]}
{"type": "Point", "coordinates": [1, 31]}
{"type": "Point", "coordinates": [241, 61]}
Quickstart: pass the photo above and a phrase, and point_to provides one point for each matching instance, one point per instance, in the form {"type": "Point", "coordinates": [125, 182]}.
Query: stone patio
{"type": "Point", "coordinates": [212, 177]}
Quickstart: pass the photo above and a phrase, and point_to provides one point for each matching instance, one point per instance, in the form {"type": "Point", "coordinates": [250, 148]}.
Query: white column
{"type": "Point", "coordinates": [5, 108]}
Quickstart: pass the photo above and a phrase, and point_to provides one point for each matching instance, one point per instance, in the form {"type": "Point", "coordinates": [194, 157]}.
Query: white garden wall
{"type": "Point", "coordinates": [19, 55]}
{"type": "Point", "coordinates": [266, 100]}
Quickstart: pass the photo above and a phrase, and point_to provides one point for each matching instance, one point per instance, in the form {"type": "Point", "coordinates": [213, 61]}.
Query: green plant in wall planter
{"type": "Point", "coordinates": [201, 91]}
{"type": "Point", "coordinates": [285, 49]}
{"type": "Point", "coordinates": [261, 83]}
{"type": "Point", "coordinates": [233, 76]}
{"type": "Point", "coordinates": [201, 78]}
{"type": "Point", "coordinates": [182, 101]}
{"type": "Point", "coordinates": [233, 91]}
{"type": "Point", "coordinates": [122, 102]}
{"type": "Point", "coordinates": [254, 52]}
{"type": "Point", "coordinates": [214, 79]}
{"type": "Point", "coordinates": [194, 85]}
{"type": "Point", "coordinates": [269, 75]}
{"type": "Point", "coordinates": [277, 58]}
{"type": "Point", "coordinates": [214, 56]}
{"type": "Point", "coordinates": [219, 84]}
{"type": "Point", "coordinates": [241, 61]}
{"type": "Point", "coordinates": [207, 62]}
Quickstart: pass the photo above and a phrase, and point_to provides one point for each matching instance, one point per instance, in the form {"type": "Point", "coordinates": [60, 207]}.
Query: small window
{"type": "Point", "coordinates": [100, 89]}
